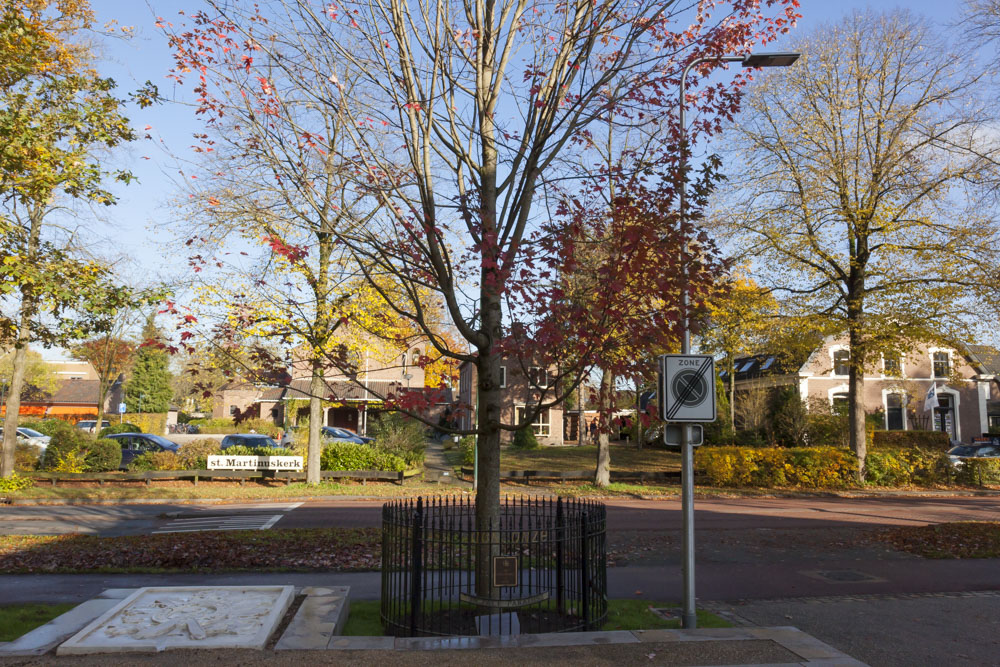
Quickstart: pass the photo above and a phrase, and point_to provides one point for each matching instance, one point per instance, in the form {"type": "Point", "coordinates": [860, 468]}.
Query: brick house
{"type": "Point", "coordinates": [967, 378]}
{"type": "Point", "coordinates": [521, 386]}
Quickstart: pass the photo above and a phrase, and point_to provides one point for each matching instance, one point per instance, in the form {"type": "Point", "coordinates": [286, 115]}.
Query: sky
{"type": "Point", "coordinates": [139, 226]}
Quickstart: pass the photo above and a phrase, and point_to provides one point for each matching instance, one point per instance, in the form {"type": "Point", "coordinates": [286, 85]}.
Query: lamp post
{"type": "Point", "coordinates": [687, 455]}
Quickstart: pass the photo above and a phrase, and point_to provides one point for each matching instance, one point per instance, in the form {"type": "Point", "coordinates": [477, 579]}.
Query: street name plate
{"type": "Point", "coordinates": [504, 571]}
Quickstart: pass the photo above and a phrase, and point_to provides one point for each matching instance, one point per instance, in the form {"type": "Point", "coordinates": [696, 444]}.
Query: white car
{"type": "Point", "coordinates": [90, 425]}
{"type": "Point", "coordinates": [29, 436]}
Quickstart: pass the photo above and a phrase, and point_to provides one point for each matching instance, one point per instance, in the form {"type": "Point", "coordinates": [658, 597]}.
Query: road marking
{"type": "Point", "coordinates": [218, 523]}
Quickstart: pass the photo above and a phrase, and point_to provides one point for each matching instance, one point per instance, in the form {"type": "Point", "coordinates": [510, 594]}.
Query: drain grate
{"type": "Point", "coordinates": [842, 576]}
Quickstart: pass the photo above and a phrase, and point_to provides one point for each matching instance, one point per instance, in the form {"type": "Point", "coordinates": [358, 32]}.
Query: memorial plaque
{"type": "Point", "coordinates": [504, 571]}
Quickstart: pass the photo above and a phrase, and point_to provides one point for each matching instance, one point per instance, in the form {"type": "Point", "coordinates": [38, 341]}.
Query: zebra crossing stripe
{"type": "Point", "coordinates": [219, 523]}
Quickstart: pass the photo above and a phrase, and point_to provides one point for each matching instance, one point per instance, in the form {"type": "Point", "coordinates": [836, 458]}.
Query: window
{"type": "Point", "coordinates": [894, 412]}
{"type": "Point", "coordinates": [942, 365]}
{"type": "Point", "coordinates": [841, 362]}
{"type": "Point", "coordinates": [233, 410]}
{"type": "Point", "coordinates": [415, 359]}
{"type": "Point", "coordinates": [840, 403]}
{"type": "Point", "coordinates": [891, 364]}
{"type": "Point", "coordinates": [767, 363]}
{"type": "Point", "coordinates": [538, 377]}
{"type": "Point", "coordinates": [503, 377]}
{"type": "Point", "coordinates": [541, 423]}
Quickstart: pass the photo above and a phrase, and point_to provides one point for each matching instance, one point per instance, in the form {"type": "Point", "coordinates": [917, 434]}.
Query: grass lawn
{"type": "Point", "coordinates": [17, 619]}
{"type": "Point", "coordinates": [624, 458]}
{"type": "Point", "coordinates": [630, 614]}
{"type": "Point", "coordinates": [960, 539]}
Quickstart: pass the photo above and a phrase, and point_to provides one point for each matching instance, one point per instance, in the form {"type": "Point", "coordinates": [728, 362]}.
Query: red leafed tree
{"type": "Point", "coordinates": [466, 121]}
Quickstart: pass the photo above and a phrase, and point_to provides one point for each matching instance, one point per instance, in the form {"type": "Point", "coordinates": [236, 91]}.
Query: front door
{"type": "Point", "coordinates": [343, 418]}
{"type": "Point", "coordinates": [944, 416]}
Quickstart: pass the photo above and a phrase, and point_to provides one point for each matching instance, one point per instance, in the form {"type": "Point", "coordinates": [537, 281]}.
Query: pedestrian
{"type": "Point", "coordinates": [593, 430]}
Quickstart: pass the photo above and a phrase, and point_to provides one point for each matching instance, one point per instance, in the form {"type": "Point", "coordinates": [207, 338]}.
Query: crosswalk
{"type": "Point", "coordinates": [246, 517]}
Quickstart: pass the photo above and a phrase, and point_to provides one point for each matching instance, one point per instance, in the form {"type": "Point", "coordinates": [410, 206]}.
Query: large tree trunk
{"type": "Point", "coordinates": [28, 310]}
{"type": "Point", "coordinates": [314, 451]}
{"type": "Point", "coordinates": [488, 490]}
{"type": "Point", "coordinates": [732, 401]}
{"type": "Point", "coordinates": [602, 476]}
{"type": "Point", "coordinates": [856, 394]}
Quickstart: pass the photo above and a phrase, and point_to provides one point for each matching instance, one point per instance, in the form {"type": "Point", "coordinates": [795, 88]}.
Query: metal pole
{"type": "Point", "coordinates": [690, 618]}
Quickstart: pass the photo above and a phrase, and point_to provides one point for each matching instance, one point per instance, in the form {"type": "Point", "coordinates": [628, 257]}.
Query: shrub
{"type": "Point", "coordinates": [524, 439]}
{"type": "Point", "coordinates": [814, 467]}
{"type": "Point", "coordinates": [921, 439]}
{"type": "Point", "coordinates": [907, 466]}
{"type": "Point", "coordinates": [243, 450]}
{"type": "Point", "coordinates": [194, 455]}
{"type": "Point", "coordinates": [398, 435]}
{"type": "Point", "coordinates": [226, 426]}
{"type": "Point", "coordinates": [27, 457]}
{"type": "Point", "coordinates": [978, 472]}
{"type": "Point", "coordinates": [149, 422]}
{"type": "Point", "coordinates": [64, 441]}
{"type": "Point", "coordinates": [45, 426]}
{"type": "Point", "coordinates": [15, 483]}
{"type": "Point", "coordinates": [68, 461]}
{"type": "Point", "coordinates": [467, 446]}
{"type": "Point", "coordinates": [124, 427]}
{"type": "Point", "coordinates": [157, 461]}
{"type": "Point", "coordinates": [351, 456]}
{"type": "Point", "coordinates": [103, 455]}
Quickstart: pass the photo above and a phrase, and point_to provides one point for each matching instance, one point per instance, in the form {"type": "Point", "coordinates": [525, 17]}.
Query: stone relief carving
{"type": "Point", "coordinates": [196, 615]}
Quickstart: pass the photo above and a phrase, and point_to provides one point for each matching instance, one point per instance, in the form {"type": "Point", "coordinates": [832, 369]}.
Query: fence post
{"type": "Point", "coordinates": [417, 559]}
{"type": "Point", "coordinates": [560, 602]}
{"type": "Point", "coordinates": [584, 572]}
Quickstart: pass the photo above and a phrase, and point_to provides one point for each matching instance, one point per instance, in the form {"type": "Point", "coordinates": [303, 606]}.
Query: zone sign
{"type": "Point", "coordinates": [687, 388]}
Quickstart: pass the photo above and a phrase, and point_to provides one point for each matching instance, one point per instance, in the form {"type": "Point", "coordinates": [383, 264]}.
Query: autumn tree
{"type": "Point", "coordinates": [460, 117]}
{"type": "Point", "coordinates": [111, 357]}
{"type": "Point", "coordinates": [39, 376]}
{"type": "Point", "coordinates": [862, 188]}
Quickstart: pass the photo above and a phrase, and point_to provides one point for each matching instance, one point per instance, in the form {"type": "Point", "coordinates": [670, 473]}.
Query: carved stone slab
{"type": "Point", "coordinates": [157, 619]}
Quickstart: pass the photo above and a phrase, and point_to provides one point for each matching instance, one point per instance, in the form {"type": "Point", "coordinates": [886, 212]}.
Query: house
{"type": "Point", "coordinates": [521, 386]}
{"type": "Point", "coordinates": [350, 400]}
{"type": "Point", "coordinates": [74, 396]}
{"type": "Point", "coordinates": [895, 386]}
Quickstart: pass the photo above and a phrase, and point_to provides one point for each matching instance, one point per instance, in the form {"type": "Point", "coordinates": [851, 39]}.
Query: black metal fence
{"type": "Point", "coordinates": [540, 568]}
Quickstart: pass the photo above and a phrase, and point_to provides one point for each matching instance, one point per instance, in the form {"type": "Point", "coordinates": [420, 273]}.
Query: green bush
{"type": "Point", "coordinates": [103, 455]}
{"type": "Point", "coordinates": [67, 443]}
{"type": "Point", "coordinates": [978, 472]}
{"type": "Point", "coordinates": [398, 435]}
{"type": "Point", "coordinates": [149, 422]}
{"type": "Point", "coordinates": [27, 457]}
{"type": "Point", "coordinates": [124, 427]}
{"type": "Point", "coordinates": [156, 461]}
{"type": "Point", "coordinates": [908, 466]}
{"type": "Point", "coordinates": [220, 422]}
{"type": "Point", "coordinates": [810, 467]}
{"type": "Point", "coordinates": [524, 439]}
{"type": "Point", "coordinates": [15, 483]}
{"type": "Point", "coordinates": [45, 426]}
{"type": "Point", "coordinates": [921, 439]}
{"type": "Point", "coordinates": [467, 446]}
{"type": "Point", "coordinates": [351, 456]}
{"type": "Point", "coordinates": [194, 455]}
{"type": "Point", "coordinates": [226, 427]}
{"type": "Point", "coordinates": [243, 450]}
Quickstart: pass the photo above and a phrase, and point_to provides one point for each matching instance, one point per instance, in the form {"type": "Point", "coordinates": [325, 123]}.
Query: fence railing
{"type": "Point", "coordinates": [539, 567]}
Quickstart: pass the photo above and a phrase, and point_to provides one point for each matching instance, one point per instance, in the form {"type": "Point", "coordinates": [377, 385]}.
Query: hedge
{"type": "Point", "coordinates": [103, 455]}
{"type": "Point", "coordinates": [978, 472]}
{"type": "Point", "coordinates": [812, 467]}
{"type": "Point", "coordinates": [226, 427]}
{"type": "Point", "coordinates": [122, 427]}
{"type": "Point", "coordinates": [922, 439]}
{"type": "Point", "coordinates": [908, 466]}
{"type": "Point", "coordinates": [149, 422]}
{"type": "Point", "coordinates": [351, 456]}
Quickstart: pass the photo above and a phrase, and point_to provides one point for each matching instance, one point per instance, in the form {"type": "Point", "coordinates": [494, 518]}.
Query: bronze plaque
{"type": "Point", "coordinates": [504, 571]}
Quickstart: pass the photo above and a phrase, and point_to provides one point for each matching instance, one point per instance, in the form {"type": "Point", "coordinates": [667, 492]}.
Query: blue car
{"type": "Point", "coordinates": [137, 444]}
{"type": "Point", "coordinates": [344, 435]}
{"type": "Point", "coordinates": [248, 440]}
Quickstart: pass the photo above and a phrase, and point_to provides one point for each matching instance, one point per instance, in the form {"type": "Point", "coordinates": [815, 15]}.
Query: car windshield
{"type": "Point", "coordinates": [962, 450]}
{"type": "Point", "coordinates": [31, 433]}
{"type": "Point", "coordinates": [161, 441]}
{"type": "Point", "coordinates": [255, 440]}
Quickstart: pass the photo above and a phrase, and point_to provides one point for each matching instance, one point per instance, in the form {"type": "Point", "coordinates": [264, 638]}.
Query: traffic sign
{"type": "Point", "coordinates": [121, 408]}
{"type": "Point", "coordinates": [687, 388]}
{"type": "Point", "coordinates": [672, 434]}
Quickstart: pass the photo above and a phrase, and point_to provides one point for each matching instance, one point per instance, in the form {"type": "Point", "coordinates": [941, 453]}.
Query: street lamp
{"type": "Point", "coordinates": [687, 456]}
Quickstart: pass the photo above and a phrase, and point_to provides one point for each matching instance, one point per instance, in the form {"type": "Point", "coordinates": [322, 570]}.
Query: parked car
{"type": "Point", "coordinates": [248, 440]}
{"type": "Point", "coordinates": [958, 454]}
{"type": "Point", "coordinates": [137, 444]}
{"type": "Point", "coordinates": [339, 434]}
{"type": "Point", "coordinates": [90, 425]}
{"type": "Point", "coordinates": [29, 436]}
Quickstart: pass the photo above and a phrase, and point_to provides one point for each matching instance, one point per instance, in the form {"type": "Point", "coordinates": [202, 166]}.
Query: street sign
{"type": "Point", "coordinates": [121, 408]}
{"type": "Point", "coordinates": [687, 388]}
{"type": "Point", "coordinates": [672, 434]}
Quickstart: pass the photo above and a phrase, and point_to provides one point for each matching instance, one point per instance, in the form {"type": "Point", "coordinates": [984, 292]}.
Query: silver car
{"type": "Point", "coordinates": [985, 451]}
{"type": "Point", "coordinates": [29, 436]}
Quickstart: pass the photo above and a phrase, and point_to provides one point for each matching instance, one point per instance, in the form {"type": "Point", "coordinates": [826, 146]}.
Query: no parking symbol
{"type": "Point", "coordinates": [687, 388]}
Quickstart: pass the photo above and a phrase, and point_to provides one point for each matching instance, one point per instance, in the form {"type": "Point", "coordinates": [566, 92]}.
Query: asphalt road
{"type": "Point", "coordinates": [760, 514]}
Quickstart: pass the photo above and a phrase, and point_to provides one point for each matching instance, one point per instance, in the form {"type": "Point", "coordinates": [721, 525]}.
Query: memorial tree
{"type": "Point", "coordinates": [864, 189]}
{"type": "Point", "coordinates": [462, 126]}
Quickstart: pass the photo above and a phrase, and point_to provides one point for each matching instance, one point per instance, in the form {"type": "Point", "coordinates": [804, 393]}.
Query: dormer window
{"type": "Point", "coordinates": [841, 362]}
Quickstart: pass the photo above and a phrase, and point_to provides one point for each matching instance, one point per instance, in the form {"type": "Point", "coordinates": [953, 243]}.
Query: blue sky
{"type": "Point", "coordinates": [136, 226]}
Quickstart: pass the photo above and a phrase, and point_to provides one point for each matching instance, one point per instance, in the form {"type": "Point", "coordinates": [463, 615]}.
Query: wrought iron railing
{"type": "Point", "coordinates": [540, 567]}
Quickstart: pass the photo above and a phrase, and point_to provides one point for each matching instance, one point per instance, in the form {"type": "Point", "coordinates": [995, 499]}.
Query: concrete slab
{"type": "Point", "coordinates": [116, 593]}
{"type": "Point", "coordinates": [362, 643]}
{"type": "Point", "coordinates": [321, 617]}
{"type": "Point", "coordinates": [157, 619]}
{"type": "Point", "coordinates": [44, 638]}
